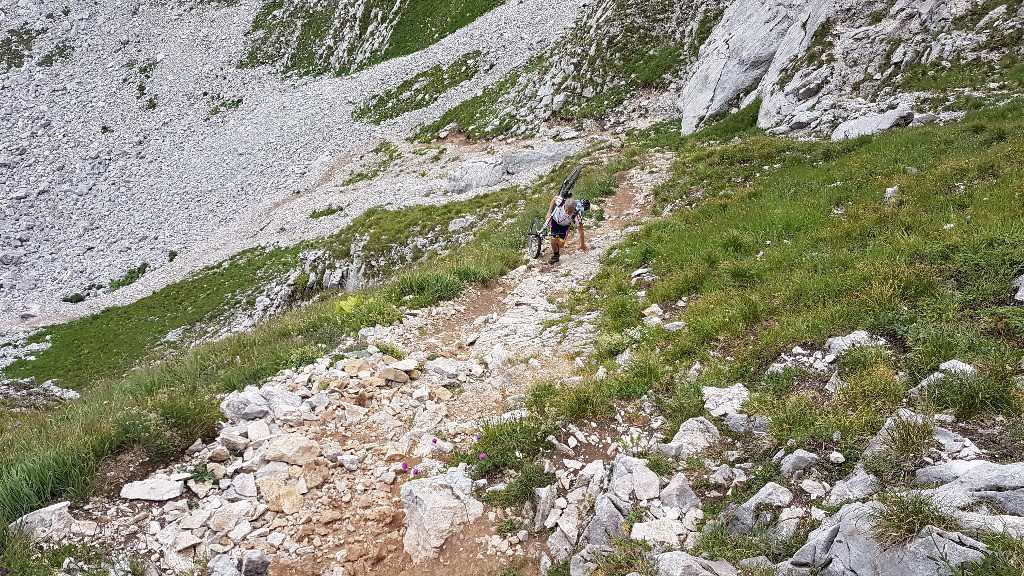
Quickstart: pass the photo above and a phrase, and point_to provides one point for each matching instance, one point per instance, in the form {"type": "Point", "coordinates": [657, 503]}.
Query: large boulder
{"type": "Point", "coordinates": [434, 508]}
{"type": "Point", "coordinates": [1001, 484]}
{"type": "Point", "coordinates": [735, 57]}
{"type": "Point", "coordinates": [873, 124]}
{"type": "Point", "coordinates": [845, 545]}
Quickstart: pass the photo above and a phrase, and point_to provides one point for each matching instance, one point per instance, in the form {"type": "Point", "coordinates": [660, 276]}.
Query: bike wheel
{"type": "Point", "coordinates": [533, 240]}
{"type": "Point", "coordinates": [533, 246]}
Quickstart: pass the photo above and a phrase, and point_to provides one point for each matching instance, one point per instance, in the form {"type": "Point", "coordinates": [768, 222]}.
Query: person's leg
{"type": "Point", "coordinates": [557, 239]}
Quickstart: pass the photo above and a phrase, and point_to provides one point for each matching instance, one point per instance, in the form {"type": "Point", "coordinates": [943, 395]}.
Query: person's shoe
{"type": "Point", "coordinates": [554, 259]}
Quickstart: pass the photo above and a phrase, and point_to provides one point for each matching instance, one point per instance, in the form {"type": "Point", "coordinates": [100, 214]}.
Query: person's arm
{"type": "Point", "coordinates": [583, 238]}
{"type": "Point", "coordinates": [551, 209]}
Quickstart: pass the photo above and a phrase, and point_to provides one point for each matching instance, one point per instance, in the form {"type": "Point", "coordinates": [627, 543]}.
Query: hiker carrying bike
{"type": "Point", "coordinates": [562, 214]}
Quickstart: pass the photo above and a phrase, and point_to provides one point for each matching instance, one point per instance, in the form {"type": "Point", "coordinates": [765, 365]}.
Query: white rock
{"type": "Point", "coordinates": [154, 489]}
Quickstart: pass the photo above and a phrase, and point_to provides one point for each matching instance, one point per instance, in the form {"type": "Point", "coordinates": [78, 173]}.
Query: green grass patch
{"type": "Point", "coordinates": [60, 53]}
{"type": "Point", "coordinates": [307, 38]}
{"type": "Point", "coordinates": [627, 557]}
{"type": "Point", "coordinates": [385, 154]}
{"type": "Point", "coordinates": [903, 515]}
{"type": "Point", "coordinates": [971, 395]}
{"type": "Point", "coordinates": [16, 46]}
{"type": "Point", "coordinates": [419, 91]}
{"type": "Point", "coordinates": [131, 276]}
{"type": "Point", "coordinates": [767, 263]}
{"type": "Point", "coordinates": [328, 210]}
{"type": "Point", "coordinates": [510, 450]}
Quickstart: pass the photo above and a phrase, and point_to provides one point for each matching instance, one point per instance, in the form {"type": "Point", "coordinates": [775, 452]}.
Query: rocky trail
{"type": "Point", "coordinates": [338, 467]}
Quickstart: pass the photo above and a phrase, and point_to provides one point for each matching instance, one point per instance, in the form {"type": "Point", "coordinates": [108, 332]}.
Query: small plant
{"type": "Point", "coordinates": [130, 277]}
{"type": "Point", "coordinates": [201, 473]}
{"type": "Point", "coordinates": [391, 350]}
{"type": "Point", "coordinates": [106, 129]}
{"type": "Point", "coordinates": [903, 515]}
{"type": "Point", "coordinates": [331, 209]}
{"type": "Point", "coordinates": [659, 463]}
{"type": "Point", "coordinates": [510, 526]}
{"type": "Point", "coordinates": [627, 557]}
{"type": "Point", "coordinates": [171, 255]}
{"type": "Point", "coordinates": [638, 514]}
{"type": "Point", "coordinates": [74, 298]}
{"type": "Point", "coordinates": [151, 103]}
{"type": "Point", "coordinates": [968, 395]}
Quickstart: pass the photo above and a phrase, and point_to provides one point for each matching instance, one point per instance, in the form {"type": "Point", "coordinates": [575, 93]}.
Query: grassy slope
{"type": "Point", "coordinates": [299, 37]}
{"type": "Point", "coordinates": [766, 263]}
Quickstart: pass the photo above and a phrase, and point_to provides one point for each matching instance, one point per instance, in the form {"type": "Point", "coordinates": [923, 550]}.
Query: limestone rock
{"type": "Point", "coordinates": [52, 523]}
{"type": "Point", "coordinates": [694, 436]}
{"type": "Point", "coordinates": [797, 461]}
{"type": "Point", "coordinates": [292, 448]}
{"type": "Point", "coordinates": [844, 544]}
{"type": "Point", "coordinates": [752, 512]}
{"type": "Point", "coordinates": [858, 485]}
{"type": "Point", "coordinates": [683, 564]}
{"type": "Point", "coordinates": [872, 124]}
{"type": "Point", "coordinates": [434, 508]}
{"type": "Point", "coordinates": [678, 494]}
{"type": "Point", "coordinates": [154, 489]}
{"type": "Point", "coordinates": [722, 401]}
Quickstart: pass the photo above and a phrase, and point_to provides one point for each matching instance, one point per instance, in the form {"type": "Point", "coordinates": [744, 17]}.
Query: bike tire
{"type": "Point", "coordinates": [533, 246]}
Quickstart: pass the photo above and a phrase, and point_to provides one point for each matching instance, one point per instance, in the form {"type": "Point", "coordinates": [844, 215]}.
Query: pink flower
{"type": "Point", "coordinates": [434, 440]}
{"type": "Point", "coordinates": [405, 466]}
{"type": "Point", "coordinates": [415, 471]}
{"type": "Point", "coordinates": [477, 436]}
{"type": "Point", "coordinates": [483, 456]}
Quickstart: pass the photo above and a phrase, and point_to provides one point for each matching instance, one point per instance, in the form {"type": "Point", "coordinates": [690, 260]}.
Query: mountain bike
{"type": "Point", "coordinates": [537, 235]}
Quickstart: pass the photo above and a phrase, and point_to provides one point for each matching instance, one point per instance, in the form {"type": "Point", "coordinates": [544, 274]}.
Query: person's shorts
{"type": "Point", "coordinates": [559, 231]}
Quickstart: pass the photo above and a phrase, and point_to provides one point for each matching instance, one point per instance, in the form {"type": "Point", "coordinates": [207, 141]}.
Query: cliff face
{"type": "Point", "coordinates": [817, 63]}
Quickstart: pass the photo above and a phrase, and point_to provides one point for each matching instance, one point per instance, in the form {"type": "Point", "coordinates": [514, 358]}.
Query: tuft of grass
{"type": "Point", "coordinates": [1005, 557]}
{"type": "Point", "coordinates": [171, 255]}
{"type": "Point", "coordinates": [391, 350]}
{"type": "Point", "coordinates": [716, 542]}
{"type": "Point", "coordinates": [74, 298]}
{"type": "Point", "coordinates": [386, 154]}
{"type": "Point", "coordinates": [329, 210]}
{"type": "Point", "coordinates": [970, 395]}
{"type": "Point", "coordinates": [627, 557]}
{"type": "Point", "coordinates": [659, 463]}
{"type": "Point", "coordinates": [903, 515]}
{"type": "Point", "coordinates": [510, 526]}
{"type": "Point", "coordinates": [130, 277]}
